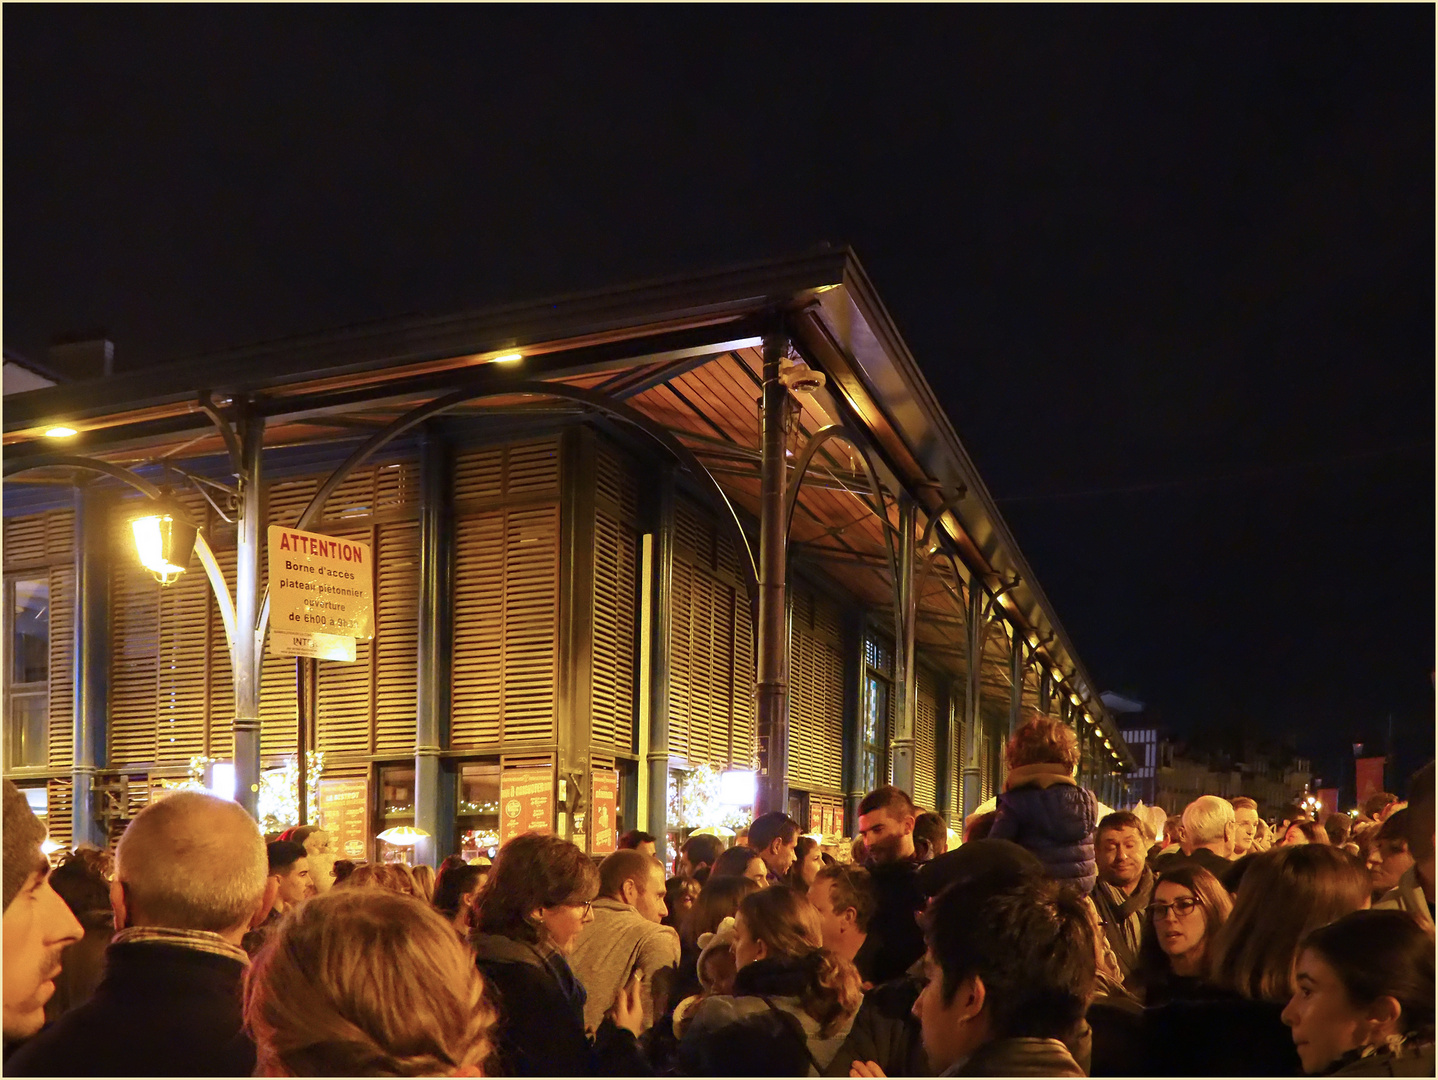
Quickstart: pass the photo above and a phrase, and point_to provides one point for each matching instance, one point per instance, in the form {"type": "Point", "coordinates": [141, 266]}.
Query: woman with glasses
{"type": "Point", "coordinates": [526, 920]}
{"type": "Point", "coordinates": [1188, 907]}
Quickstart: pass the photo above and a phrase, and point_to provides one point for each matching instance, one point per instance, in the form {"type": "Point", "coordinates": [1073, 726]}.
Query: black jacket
{"type": "Point", "coordinates": [898, 899]}
{"type": "Point", "coordinates": [160, 1010]}
{"type": "Point", "coordinates": [541, 1016]}
{"type": "Point", "coordinates": [1211, 861]}
{"type": "Point", "coordinates": [1218, 1034]}
{"type": "Point", "coordinates": [886, 1031]}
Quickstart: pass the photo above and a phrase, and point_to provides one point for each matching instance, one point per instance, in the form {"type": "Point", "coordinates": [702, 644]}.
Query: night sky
{"type": "Point", "coordinates": [1171, 270]}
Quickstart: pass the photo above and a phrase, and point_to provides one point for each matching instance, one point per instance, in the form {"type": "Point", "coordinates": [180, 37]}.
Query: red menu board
{"type": "Point", "coordinates": [526, 801]}
{"type": "Point", "coordinates": [828, 821]}
{"type": "Point", "coordinates": [605, 786]}
{"type": "Point", "coordinates": [816, 817]}
{"type": "Point", "coordinates": [344, 813]}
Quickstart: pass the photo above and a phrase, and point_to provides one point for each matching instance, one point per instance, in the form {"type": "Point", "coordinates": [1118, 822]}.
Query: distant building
{"type": "Point", "coordinates": [1171, 774]}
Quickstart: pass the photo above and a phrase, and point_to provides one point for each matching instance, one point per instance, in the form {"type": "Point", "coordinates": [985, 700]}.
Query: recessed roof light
{"type": "Point", "coordinates": [509, 358]}
{"type": "Point", "coordinates": [60, 432]}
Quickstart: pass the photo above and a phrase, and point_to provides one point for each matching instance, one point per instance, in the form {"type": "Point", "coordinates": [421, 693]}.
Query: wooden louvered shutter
{"type": "Point", "coordinates": [816, 692]}
{"type": "Point", "coordinates": [615, 601]}
{"type": "Point", "coordinates": [134, 660]}
{"type": "Point", "coordinates": [180, 668]}
{"type": "Point", "coordinates": [60, 817]}
{"type": "Point", "coordinates": [62, 671]}
{"type": "Point", "coordinates": [925, 720]}
{"type": "Point", "coordinates": [396, 641]}
{"type": "Point", "coordinates": [506, 595]}
{"type": "Point", "coordinates": [531, 624]}
{"type": "Point", "coordinates": [711, 676]}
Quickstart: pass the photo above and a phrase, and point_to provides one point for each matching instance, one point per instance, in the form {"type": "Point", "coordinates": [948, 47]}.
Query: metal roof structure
{"type": "Point", "coordinates": [684, 353]}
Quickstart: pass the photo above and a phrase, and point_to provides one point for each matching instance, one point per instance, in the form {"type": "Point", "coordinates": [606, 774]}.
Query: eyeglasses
{"type": "Point", "coordinates": [587, 906]}
{"type": "Point", "coordinates": [1181, 907]}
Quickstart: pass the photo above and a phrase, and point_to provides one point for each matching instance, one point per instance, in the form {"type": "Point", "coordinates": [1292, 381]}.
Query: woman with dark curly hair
{"type": "Point", "coordinates": [1363, 1003]}
{"type": "Point", "coordinates": [525, 921]}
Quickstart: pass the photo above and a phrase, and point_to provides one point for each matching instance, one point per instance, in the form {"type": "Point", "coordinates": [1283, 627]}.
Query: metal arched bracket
{"type": "Point", "coordinates": [218, 585]}
{"type": "Point", "coordinates": [801, 468]}
{"type": "Point", "coordinates": [616, 409]}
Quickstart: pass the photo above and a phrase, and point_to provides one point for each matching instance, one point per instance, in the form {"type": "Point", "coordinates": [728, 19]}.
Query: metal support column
{"type": "Point", "coordinates": [1017, 666]}
{"type": "Point", "coordinates": [577, 510]}
{"type": "Point", "coordinates": [906, 690]}
{"type": "Point", "coordinates": [431, 698]}
{"type": "Point", "coordinates": [952, 720]}
{"type": "Point", "coordinates": [976, 623]}
{"type": "Point", "coordinates": [90, 659]}
{"type": "Point", "coordinates": [248, 658]}
{"type": "Point", "coordinates": [1046, 690]}
{"type": "Point", "coordinates": [656, 629]}
{"type": "Point", "coordinates": [772, 683]}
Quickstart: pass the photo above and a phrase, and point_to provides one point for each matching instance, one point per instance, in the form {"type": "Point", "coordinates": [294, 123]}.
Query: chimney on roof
{"type": "Point", "coordinates": [90, 356]}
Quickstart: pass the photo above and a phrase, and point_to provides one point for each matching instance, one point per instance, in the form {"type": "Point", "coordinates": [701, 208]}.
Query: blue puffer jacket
{"type": "Point", "coordinates": [1043, 809]}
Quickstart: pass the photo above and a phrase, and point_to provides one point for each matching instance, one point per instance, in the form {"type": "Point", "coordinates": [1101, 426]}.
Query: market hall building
{"type": "Point", "coordinates": [622, 542]}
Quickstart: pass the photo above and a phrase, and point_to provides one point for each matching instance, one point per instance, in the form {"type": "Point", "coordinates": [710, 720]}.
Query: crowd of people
{"type": "Point", "coordinates": [1057, 940]}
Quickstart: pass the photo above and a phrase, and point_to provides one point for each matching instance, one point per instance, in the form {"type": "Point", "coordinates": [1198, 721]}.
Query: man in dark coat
{"type": "Point", "coordinates": [1125, 885]}
{"type": "Point", "coordinates": [190, 879]}
{"type": "Point", "coordinates": [886, 823]}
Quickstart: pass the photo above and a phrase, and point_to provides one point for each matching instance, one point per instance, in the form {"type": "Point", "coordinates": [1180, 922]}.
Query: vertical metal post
{"type": "Point", "coordinates": [90, 659]}
{"type": "Point", "coordinates": [302, 723]}
{"type": "Point", "coordinates": [906, 691]}
{"type": "Point", "coordinates": [248, 657]}
{"type": "Point", "coordinates": [660, 581]}
{"type": "Point", "coordinates": [1017, 667]}
{"type": "Point", "coordinates": [975, 625]}
{"type": "Point", "coordinates": [431, 700]}
{"type": "Point", "coordinates": [772, 684]}
{"type": "Point", "coordinates": [576, 625]}
{"type": "Point", "coordinates": [1046, 689]}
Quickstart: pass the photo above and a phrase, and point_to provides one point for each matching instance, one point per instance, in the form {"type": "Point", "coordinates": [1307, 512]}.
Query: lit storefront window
{"type": "Point", "coordinates": [478, 809]}
{"type": "Point", "coordinates": [396, 802]}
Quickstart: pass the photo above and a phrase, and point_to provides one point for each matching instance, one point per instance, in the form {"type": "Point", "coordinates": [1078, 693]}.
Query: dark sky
{"type": "Point", "coordinates": [1170, 269]}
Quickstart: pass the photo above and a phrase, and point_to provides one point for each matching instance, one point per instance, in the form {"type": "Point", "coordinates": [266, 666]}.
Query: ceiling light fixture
{"type": "Point", "coordinates": [509, 358]}
{"type": "Point", "coordinates": [60, 431]}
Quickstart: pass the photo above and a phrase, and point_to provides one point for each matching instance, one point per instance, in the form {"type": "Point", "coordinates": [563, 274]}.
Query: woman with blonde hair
{"type": "Point", "coordinates": [794, 1001]}
{"type": "Point", "coordinates": [423, 877]}
{"type": "Point", "coordinates": [365, 982]}
{"type": "Point", "coordinates": [1286, 894]}
{"type": "Point", "coordinates": [525, 922]}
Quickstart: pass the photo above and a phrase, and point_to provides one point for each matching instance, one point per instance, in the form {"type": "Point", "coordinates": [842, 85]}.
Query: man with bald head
{"type": "Point", "coordinates": [190, 879]}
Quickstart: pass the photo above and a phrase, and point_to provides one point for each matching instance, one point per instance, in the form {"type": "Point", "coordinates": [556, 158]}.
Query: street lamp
{"type": "Point", "coordinates": [164, 541]}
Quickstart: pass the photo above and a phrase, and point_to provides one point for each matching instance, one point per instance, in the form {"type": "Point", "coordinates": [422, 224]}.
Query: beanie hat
{"type": "Point", "coordinates": [23, 834]}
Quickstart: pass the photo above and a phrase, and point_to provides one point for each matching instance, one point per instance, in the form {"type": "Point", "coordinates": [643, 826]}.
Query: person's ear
{"type": "Point", "coordinates": [849, 917]}
{"type": "Point", "coordinates": [971, 997]}
{"type": "Point", "coordinates": [267, 901]}
{"type": "Point", "coordinates": [1384, 1014]}
{"type": "Point", "coordinates": [629, 892]}
{"type": "Point", "coordinates": [761, 950]}
{"type": "Point", "coordinates": [118, 904]}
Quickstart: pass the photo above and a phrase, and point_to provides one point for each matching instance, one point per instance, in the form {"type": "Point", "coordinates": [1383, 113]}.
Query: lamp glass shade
{"type": "Point", "coordinates": [164, 543]}
{"type": "Point", "coordinates": [402, 836]}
